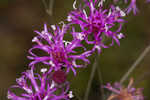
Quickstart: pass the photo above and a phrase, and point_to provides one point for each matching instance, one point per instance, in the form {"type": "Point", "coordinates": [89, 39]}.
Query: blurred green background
{"type": "Point", "coordinates": [18, 20]}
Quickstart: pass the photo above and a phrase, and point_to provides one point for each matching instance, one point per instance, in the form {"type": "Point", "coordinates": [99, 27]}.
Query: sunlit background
{"type": "Point", "coordinates": [19, 19]}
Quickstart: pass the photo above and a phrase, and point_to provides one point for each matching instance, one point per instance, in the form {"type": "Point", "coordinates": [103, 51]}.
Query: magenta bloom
{"type": "Point", "coordinates": [124, 93]}
{"type": "Point", "coordinates": [60, 53]}
{"type": "Point", "coordinates": [132, 7]}
{"type": "Point", "coordinates": [147, 1]}
{"type": "Point", "coordinates": [39, 87]}
{"type": "Point", "coordinates": [98, 23]}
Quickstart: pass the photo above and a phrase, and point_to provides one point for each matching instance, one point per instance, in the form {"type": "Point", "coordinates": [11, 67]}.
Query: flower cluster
{"type": "Point", "coordinates": [99, 23]}
{"type": "Point", "coordinates": [122, 93]}
{"type": "Point", "coordinates": [96, 26]}
{"type": "Point", "coordinates": [46, 90]}
{"type": "Point", "coordinates": [60, 53]}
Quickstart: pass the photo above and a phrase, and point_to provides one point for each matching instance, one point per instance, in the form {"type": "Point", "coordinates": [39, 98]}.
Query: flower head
{"type": "Point", "coordinates": [122, 93]}
{"type": "Point", "coordinates": [60, 53]}
{"type": "Point", "coordinates": [98, 22]}
{"type": "Point", "coordinates": [147, 1]}
{"type": "Point", "coordinates": [132, 7]}
{"type": "Point", "coordinates": [46, 90]}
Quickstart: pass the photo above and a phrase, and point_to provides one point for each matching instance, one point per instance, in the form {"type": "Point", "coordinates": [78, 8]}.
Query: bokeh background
{"type": "Point", "coordinates": [18, 20]}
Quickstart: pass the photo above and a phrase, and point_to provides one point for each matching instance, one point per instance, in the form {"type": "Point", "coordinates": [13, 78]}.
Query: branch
{"type": "Point", "coordinates": [49, 9]}
{"type": "Point", "coordinates": [134, 65]}
{"type": "Point", "coordinates": [91, 78]}
{"type": "Point", "coordinates": [101, 82]}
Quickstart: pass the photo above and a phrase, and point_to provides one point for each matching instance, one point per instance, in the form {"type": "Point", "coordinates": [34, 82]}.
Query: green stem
{"type": "Point", "coordinates": [101, 82]}
{"type": "Point", "coordinates": [91, 79]}
{"type": "Point", "coordinates": [134, 65]}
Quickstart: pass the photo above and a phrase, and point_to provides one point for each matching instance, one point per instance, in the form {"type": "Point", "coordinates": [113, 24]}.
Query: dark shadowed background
{"type": "Point", "coordinates": [18, 20]}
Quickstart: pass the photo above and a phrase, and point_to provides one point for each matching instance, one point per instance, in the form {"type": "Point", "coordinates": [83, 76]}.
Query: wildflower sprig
{"type": "Point", "coordinates": [99, 24]}
{"type": "Point", "coordinates": [46, 90]}
{"type": "Point", "coordinates": [60, 53]}
{"type": "Point", "coordinates": [125, 93]}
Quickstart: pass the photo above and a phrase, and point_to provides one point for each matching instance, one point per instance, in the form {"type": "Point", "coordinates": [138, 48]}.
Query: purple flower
{"type": "Point", "coordinates": [132, 7]}
{"type": "Point", "coordinates": [122, 93]}
{"type": "Point", "coordinates": [39, 87]}
{"type": "Point", "coordinates": [60, 53]}
{"type": "Point", "coordinates": [98, 23]}
{"type": "Point", "coordinates": [147, 1]}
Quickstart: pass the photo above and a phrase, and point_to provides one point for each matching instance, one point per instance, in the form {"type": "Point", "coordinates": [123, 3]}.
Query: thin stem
{"type": "Point", "coordinates": [101, 82]}
{"type": "Point", "coordinates": [134, 65]}
{"type": "Point", "coordinates": [51, 4]}
{"type": "Point", "coordinates": [49, 8]}
{"type": "Point", "coordinates": [45, 5]}
{"type": "Point", "coordinates": [91, 79]}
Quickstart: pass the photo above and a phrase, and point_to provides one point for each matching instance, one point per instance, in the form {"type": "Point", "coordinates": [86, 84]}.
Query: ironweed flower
{"type": "Point", "coordinates": [122, 93]}
{"type": "Point", "coordinates": [40, 87]}
{"type": "Point", "coordinates": [60, 53]}
{"type": "Point", "coordinates": [98, 23]}
{"type": "Point", "coordinates": [132, 7]}
{"type": "Point", "coordinates": [147, 1]}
